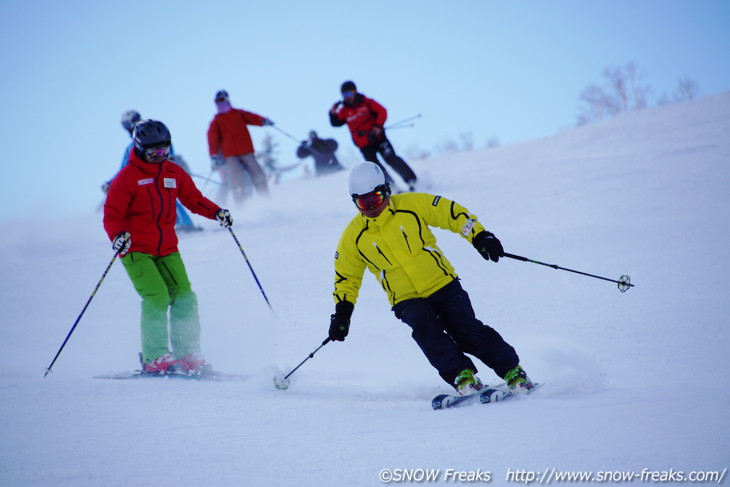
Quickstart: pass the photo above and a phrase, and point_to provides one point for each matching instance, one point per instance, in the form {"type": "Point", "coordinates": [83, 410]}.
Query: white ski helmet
{"type": "Point", "coordinates": [365, 178]}
{"type": "Point", "coordinates": [130, 118]}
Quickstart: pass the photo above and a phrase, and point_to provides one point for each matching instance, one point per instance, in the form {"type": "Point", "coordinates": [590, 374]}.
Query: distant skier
{"type": "Point", "coordinates": [231, 148]}
{"type": "Point", "coordinates": [391, 238]}
{"type": "Point", "coordinates": [365, 118]}
{"type": "Point", "coordinates": [139, 218]}
{"type": "Point", "coordinates": [130, 118]}
{"type": "Point", "coordinates": [323, 153]}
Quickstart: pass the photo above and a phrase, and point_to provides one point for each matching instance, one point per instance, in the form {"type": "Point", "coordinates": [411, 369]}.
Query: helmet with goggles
{"type": "Point", "coordinates": [347, 86]}
{"type": "Point", "coordinates": [152, 140]}
{"type": "Point", "coordinates": [221, 95]}
{"type": "Point", "coordinates": [367, 185]}
{"type": "Point", "coordinates": [348, 90]}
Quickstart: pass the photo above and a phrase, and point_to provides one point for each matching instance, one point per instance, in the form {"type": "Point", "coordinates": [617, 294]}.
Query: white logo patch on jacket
{"type": "Point", "coordinates": [468, 227]}
{"type": "Point", "coordinates": [169, 182]}
{"type": "Point", "coordinates": [142, 182]}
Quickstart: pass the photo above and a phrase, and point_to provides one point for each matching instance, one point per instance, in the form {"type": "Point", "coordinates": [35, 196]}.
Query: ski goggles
{"type": "Point", "coordinates": [370, 200]}
{"type": "Point", "coordinates": [157, 154]}
{"type": "Point", "coordinates": [348, 94]}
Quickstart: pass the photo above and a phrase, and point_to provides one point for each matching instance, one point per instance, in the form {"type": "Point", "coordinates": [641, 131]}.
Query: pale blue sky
{"type": "Point", "coordinates": [495, 69]}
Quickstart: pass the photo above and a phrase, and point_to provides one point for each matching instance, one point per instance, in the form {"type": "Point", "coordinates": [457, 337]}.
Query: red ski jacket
{"type": "Point", "coordinates": [141, 201]}
{"type": "Point", "coordinates": [228, 133]}
{"type": "Point", "coordinates": [360, 117]}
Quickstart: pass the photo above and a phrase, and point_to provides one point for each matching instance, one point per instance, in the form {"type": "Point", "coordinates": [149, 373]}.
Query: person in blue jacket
{"type": "Point", "coordinates": [129, 120]}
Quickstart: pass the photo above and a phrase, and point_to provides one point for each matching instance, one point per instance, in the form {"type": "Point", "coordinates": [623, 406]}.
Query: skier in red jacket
{"type": "Point", "coordinates": [139, 218]}
{"type": "Point", "coordinates": [365, 118]}
{"type": "Point", "coordinates": [231, 148]}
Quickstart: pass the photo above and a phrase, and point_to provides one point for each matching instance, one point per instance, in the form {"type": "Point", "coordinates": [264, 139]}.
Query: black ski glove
{"type": "Point", "coordinates": [488, 245]}
{"type": "Point", "coordinates": [224, 218]}
{"type": "Point", "coordinates": [122, 242]}
{"type": "Point", "coordinates": [340, 321]}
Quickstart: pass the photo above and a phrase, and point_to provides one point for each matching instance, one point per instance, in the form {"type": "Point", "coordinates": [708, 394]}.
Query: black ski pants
{"type": "Point", "coordinates": [386, 151]}
{"type": "Point", "coordinates": [445, 327]}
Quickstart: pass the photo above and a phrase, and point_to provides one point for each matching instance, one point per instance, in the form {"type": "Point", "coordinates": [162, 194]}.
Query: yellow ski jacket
{"type": "Point", "coordinates": [399, 248]}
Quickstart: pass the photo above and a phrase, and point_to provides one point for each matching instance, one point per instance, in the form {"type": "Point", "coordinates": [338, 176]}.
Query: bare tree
{"type": "Point", "coordinates": [492, 142]}
{"type": "Point", "coordinates": [663, 100]}
{"type": "Point", "coordinates": [623, 90]}
{"type": "Point", "coordinates": [267, 155]}
{"type": "Point", "coordinates": [467, 141]}
{"type": "Point", "coordinates": [446, 147]}
{"type": "Point", "coordinates": [637, 89]}
{"type": "Point", "coordinates": [596, 105]}
{"type": "Point", "coordinates": [687, 89]}
{"type": "Point", "coordinates": [616, 81]}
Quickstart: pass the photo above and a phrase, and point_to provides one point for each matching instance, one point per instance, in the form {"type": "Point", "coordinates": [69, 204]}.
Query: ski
{"type": "Point", "coordinates": [445, 401]}
{"type": "Point", "coordinates": [207, 376]}
{"type": "Point", "coordinates": [488, 395]}
{"type": "Point", "coordinates": [491, 395]}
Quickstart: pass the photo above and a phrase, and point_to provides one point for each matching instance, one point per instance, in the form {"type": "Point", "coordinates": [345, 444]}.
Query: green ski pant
{"type": "Point", "coordinates": [163, 283]}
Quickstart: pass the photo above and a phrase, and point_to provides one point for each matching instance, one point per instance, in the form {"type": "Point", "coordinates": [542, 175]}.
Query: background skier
{"type": "Point", "coordinates": [231, 148]}
{"type": "Point", "coordinates": [391, 238]}
{"type": "Point", "coordinates": [365, 118]}
{"type": "Point", "coordinates": [139, 218]}
{"type": "Point", "coordinates": [323, 153]}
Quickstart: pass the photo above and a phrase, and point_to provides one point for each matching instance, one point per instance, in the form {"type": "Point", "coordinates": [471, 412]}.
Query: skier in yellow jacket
{"type": "Point", "coordinates": [391, 238]}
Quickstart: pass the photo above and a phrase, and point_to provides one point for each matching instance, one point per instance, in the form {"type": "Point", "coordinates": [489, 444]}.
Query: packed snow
{"type": "Point", "coordinates": [636, 380]}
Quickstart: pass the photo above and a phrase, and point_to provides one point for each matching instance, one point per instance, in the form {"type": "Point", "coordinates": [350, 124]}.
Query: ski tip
{"type": "Point", "coordinates": [437, 402]}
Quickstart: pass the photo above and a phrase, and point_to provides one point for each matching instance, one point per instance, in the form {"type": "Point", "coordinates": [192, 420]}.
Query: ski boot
{"type": "Point", "coordinates": [517, 381]}
{"type": "Point", "coordinates": [164, 364]}
{"type": "Point", "coordinates": [467, 383]}
{"type": "Point", "coordinates": [193, 364]}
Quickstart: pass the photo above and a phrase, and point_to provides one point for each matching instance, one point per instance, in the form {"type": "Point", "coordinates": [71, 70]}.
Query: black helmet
{"type": "Point", "coordinates": [348, 86]}
{"type": "Point", "coordinates": [150, 133]}
{"type": "Point", "coordinates": [152, 141]}
{"type": "Point", "coordinates": [221, 95]}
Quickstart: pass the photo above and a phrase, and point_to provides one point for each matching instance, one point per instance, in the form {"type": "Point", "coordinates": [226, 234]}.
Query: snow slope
{"type": "Point", "coordinates": [633, 381]}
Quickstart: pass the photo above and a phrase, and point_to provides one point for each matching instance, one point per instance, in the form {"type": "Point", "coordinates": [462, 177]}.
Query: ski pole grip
{"type": "Point", "coordinates": [517, 257]}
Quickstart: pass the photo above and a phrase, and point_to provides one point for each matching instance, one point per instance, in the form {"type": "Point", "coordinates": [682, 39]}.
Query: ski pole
{"type": "Point", "coordinates": [392, 125]}
{"type": "Point", "coordinates": [288, 135]}
{"type": "Point", "coordinates": [402, 126]}
{"type": "Point", "coordinates": [251, 268]}
{"type": "Point", "coordinates": [624, 282]}
{"type": "Point", "coordinates": [82, 313]}
{"type": "Point", "coordinates": [208, 179]}
{"type": "Point", "coordinates": [283, 383]}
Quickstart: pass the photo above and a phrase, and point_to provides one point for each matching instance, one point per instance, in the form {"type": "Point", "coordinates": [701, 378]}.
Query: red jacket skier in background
{"type": "Point", "coordinates": [231, 148]}
{"type": "Point", "coordinates": [365, 118]}
{"type": "Point", "coordinates": [228, 134]}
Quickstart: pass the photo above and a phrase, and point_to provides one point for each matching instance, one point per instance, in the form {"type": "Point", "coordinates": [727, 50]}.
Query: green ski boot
{"type": "Point", "coordinates": [517, 380]}
{"type": "Point", "coordinates": [467, 383]}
